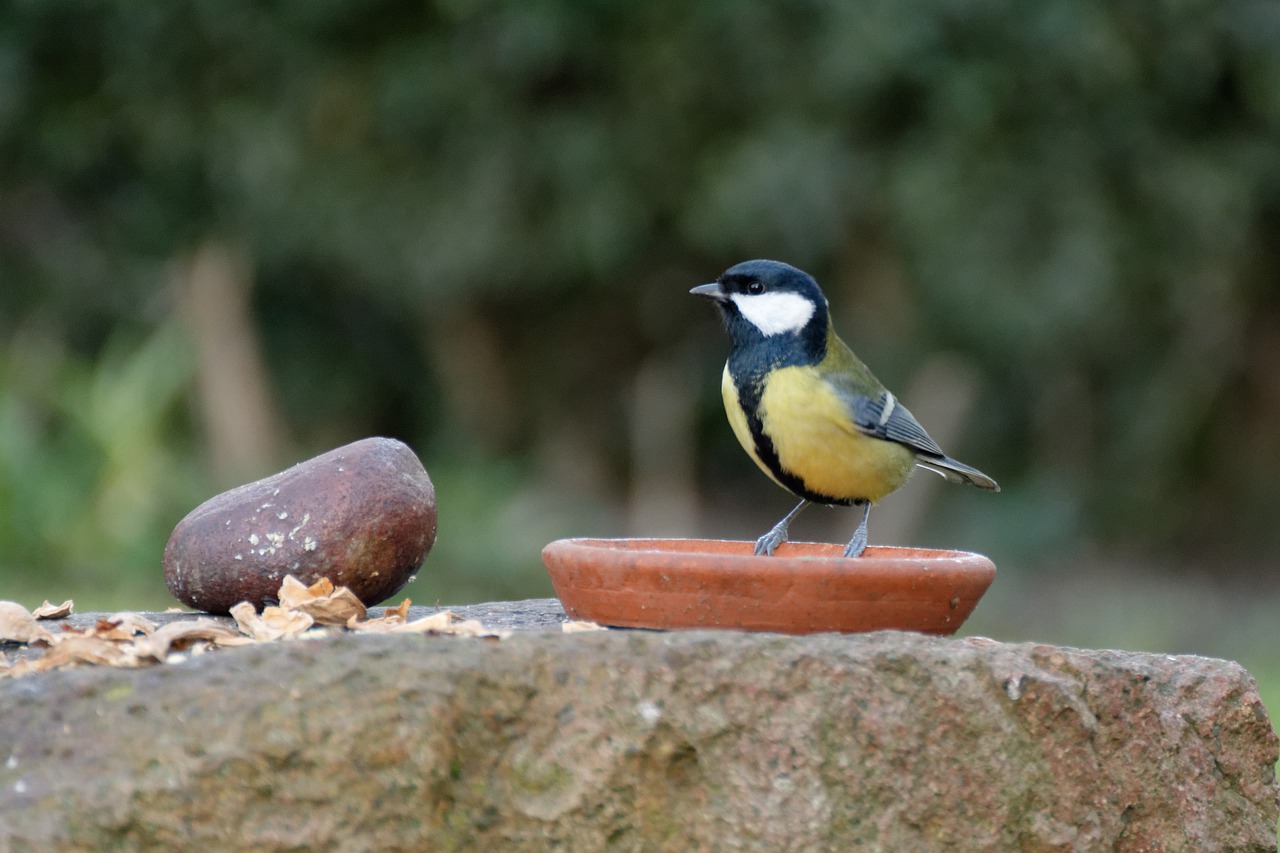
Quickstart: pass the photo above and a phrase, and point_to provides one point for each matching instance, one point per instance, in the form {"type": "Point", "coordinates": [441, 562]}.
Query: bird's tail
{"type": "Point", "coordinates": [957, 472]}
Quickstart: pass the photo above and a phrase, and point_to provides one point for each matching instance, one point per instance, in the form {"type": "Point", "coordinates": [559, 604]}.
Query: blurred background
{"type": "Point", "coordinates": [234, 235]}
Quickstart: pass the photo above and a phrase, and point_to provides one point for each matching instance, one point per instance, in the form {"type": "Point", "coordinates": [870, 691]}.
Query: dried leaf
{"type": "Point", "coordinates": [337, 608]}
{"type": "Point", "coordinates": [51, 611]}
{"type": "Point", "coordinates": [131, 640]}
{"type": "Point", "coordinates": [139, 623]}
{"type": "Point", "coordinates": [384, 624]}
{"type": "Point", "coordinates": [103, 629]}
{"type": "Point", "coordinates": [290, 623]}
{"type": "Point", "coordinates": [575, 627]}
{"type": "Point", "coordinates": [81, 648]}
{"type": "Point", "coordinates": [275, 622]}
{"type": "Point", "coordinates": [392, 623]}
{"type": "Point", "coordinates": [442, 622]}
{"type": "Point", "coordinates": [22, 666]}
{"type": "Point", "coordinates": [325, 604]}
{"type": "Point", "coordinates": [180, 636]}
{"type": "Point", "coordinates": [19, 626]}
{"type": "Point", "coordinates": [246, 618]}
{"type": "Point", "coordinates": [475, 628]}
{"type": "Point", "coordinates": [381, 625]}
{"type": "Point", "coordinates": [122, 626]}
{"type": "Point", "coordinates": [294, 592]}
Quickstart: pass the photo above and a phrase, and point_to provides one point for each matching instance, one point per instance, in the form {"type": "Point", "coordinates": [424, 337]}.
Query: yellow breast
{"type": "Point", "coordinates": [814, 439]}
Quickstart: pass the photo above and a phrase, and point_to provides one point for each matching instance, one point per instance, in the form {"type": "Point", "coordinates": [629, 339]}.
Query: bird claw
{"type": "Point", "coordinates": [858, 543]}
{"type": "Point", "coordinates": [768, 543]}
{"type": "Point", "coordinates": [856, 547]}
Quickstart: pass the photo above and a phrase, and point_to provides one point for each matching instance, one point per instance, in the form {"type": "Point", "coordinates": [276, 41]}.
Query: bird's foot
{"type": "Point", "coordinates": [858, 543]}
{"type": "Point", "coordinates": [856, 546]}
{"type": "Point", "coordinates": [769, 542]}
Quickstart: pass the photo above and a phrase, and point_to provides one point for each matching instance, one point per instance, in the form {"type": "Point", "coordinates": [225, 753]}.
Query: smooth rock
{"type": "Point", "coordinates": [636, 740]}
{"type": "Point", "coordinates": [363, 515]}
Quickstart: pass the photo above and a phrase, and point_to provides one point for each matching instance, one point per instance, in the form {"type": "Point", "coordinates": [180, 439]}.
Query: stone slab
{"type": "Point", "coordinates": [637, 740]}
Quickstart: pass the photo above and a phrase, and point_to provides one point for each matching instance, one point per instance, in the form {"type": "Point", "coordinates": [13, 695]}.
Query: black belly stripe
{"type": "Point", "coordinates": [749, 394]}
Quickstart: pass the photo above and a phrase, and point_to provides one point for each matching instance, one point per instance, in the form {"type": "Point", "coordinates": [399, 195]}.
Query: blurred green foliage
{"type": "Point", "coordinates": [469, 224]}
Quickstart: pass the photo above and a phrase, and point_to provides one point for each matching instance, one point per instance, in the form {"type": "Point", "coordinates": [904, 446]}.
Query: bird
{"type": "Point", "coordinates": [808, 412]}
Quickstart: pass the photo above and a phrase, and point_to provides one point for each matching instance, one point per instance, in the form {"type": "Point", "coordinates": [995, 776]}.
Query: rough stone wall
{"type": "Point", "coordinates": [630, 740]}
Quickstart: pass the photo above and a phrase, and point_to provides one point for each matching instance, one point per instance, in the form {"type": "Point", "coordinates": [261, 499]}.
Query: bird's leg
{"type": "Point", "coordinates": [858, 543]}
{"type": "Point", "coordinates": [769, 542]}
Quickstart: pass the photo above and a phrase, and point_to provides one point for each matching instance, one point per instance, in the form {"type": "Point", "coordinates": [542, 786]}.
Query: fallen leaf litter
{"type": "Point", "coordinates": [132, 640]}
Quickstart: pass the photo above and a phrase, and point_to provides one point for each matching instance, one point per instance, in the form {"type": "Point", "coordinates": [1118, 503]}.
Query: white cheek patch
{"type": "Point", "coordinates": [774, 313]}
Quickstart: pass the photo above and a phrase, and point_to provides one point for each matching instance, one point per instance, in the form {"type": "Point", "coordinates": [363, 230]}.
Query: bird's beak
{"type": "Point", "coordinates": [711, 291]}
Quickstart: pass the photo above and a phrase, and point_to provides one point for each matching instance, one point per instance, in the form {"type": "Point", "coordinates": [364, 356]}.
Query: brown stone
{"type": "Point", "coordinates": [363, 515]}
{"type": "Point", "coordinates": [627, 740]}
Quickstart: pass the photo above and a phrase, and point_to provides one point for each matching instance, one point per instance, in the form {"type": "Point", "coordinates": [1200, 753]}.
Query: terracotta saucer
{"type": "Point", "coordinates": [805, 588]}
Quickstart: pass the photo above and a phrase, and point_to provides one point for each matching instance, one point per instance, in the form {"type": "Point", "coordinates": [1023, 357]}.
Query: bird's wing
{"type": "Point", "coordinates": [882, 416]}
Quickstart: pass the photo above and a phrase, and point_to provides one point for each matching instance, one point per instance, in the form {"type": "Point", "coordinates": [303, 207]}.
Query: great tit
{"type": "Point", "coordinates": [806, 409]}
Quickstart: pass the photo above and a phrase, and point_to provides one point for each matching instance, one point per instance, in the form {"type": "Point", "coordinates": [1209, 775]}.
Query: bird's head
{"type": "Point", "coordinates": [767, 301]}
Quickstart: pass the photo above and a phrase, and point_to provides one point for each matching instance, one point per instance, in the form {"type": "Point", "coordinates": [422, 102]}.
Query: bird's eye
{"type": "Point", "coordinates": [755, 287]}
